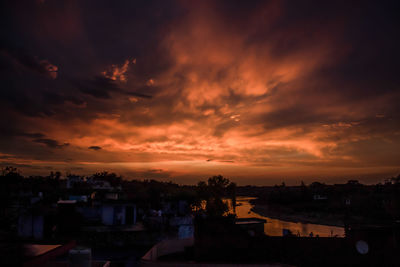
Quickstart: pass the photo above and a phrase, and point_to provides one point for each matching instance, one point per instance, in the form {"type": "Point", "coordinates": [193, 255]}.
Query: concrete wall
{"type": "Point", "coordinates": [134, 214]}
{"type": "Point", "coordinates": [90, 213]}
{"type": "Point", "coordinates": [107, 215]}
{"type": "Point", "coordinates": [119, 215]}
{"type": "Point", "coordinates": [166, 247]}
{"type": "Point", "coordinates": [116, 214]}
{"type": "Point", "coordinates": [185, 231]}
{"type": "Point", "coordinates": [30, 226]}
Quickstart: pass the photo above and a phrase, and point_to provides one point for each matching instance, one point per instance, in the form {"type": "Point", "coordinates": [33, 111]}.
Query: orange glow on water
{"type": "Point", "coordinates": [274, 227]}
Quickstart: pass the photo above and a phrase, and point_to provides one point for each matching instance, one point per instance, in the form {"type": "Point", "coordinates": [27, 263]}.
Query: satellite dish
{"type": "Point", "coordinates": [362, 247]}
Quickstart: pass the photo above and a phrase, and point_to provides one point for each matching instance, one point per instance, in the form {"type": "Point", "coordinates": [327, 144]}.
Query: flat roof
{"type": "Point", "coordinates": [33, 250]}
{"type": "Point", "coordinates": [249, 221]}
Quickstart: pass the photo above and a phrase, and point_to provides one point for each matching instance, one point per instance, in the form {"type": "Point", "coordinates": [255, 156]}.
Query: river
{"type": "Point", "coordinates": [274, 227]}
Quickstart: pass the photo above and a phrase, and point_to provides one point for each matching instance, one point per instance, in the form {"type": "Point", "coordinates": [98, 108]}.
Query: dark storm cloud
{"type": "Point", "coordinates": [138, 94]}
{"type": "Point", "coordinates": [295, 116]}
{"type": "Point", "coordinates": [50, 143]}
{"type": "Point", "coordinates": [95, 148]}
{"type": "Point", "coordinates": [99, 87]}
{"type": "Point", "coordinates": [32, 135]}
{"type": "Point", "coordinates": [10, 131]}
{"type": "Point", "coordinates": [5, 164]}
{"type": "Point", "coordinates": [149, 174]}
{"type": "Point", "coordinates": [13, 59]}
{"type": "Point", "coordinates": [321, 74]}
{"type": "Point", "coordinates": [368, 30]}
{"type": "Point", "coordinates": [36, 102]}
{"type": "Point", "coordinates": [58, 99]}
{"type": "Point", "coordinates": [102, 87]}
{"type": "Point", "coordinates": [369, 68]}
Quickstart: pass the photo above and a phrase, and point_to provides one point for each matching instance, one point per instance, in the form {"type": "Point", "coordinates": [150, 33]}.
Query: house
{"type": "Point", "coordinates": [175, 207]}
{"type": "Point", "coordinates": [184, 226]}
{"type": "Point", "coordinates": [74, 179]}
{"type": "Point", "coordinates": [109, 213]}
{"type": "Point", "coordinates": [118, 214]}
{"type": "Point", "coordinates": [112, 195]}
{"type": "Point", "coordinates": [253, 226]}
{"type": "Point", "coordinates": [90, 213]}
{"type": "Point", "coordinates": [320, 197]}
{"type": "Point", "coordinates": [99, 184]}
{"type": "Point", "coordinates": [31, 226]}
{"type": "Point", "coordinates": [78, 198]}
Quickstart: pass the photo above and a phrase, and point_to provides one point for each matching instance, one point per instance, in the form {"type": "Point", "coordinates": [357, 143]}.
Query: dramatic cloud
{"type": "Point", "coordinates": [50, 143]}
{"type": "Point", "coordinates": [95, 147]}
{"type": "Point", "coordinates": [259, 92]}
{"type": "Point", "coordinates": [101, 87]}
{"type": "Point", "coordinates": [118, 73]}
{"type": "Point", "coordinates": [17, 59]}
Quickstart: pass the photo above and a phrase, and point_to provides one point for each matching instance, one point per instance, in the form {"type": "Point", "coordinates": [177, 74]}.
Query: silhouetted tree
{"type": "Point", "coordinates": [11, 172]}
{"type": "Point", "coordinates": [216, 188]}
{"type": "Point", "coordinates": [231, 190]}
{"type": "Point", "coordinates": [112, 178]}
{"type": "Point", "coordinates": [395, 180]}
{"type": "Point", "coordinates": [55, 175]}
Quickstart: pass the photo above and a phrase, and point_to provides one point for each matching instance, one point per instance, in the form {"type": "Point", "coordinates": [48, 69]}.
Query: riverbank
{"type": "Point", "coordinates": [285, 214]}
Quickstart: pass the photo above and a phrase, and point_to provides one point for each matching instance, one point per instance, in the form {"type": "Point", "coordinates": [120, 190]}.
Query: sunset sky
{"type": "Point", "coordinates": [258, 91]}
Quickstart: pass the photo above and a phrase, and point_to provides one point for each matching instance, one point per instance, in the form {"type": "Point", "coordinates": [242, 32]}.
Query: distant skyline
{"type": "Point", "coordinates": [258, 91]}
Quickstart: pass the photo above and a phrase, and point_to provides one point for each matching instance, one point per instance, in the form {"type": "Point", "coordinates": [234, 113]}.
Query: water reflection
{"type": "Point", "coordinates": [274, 227]}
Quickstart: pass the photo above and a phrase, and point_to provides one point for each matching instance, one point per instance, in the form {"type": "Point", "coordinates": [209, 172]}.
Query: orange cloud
{"type": "Point", "coordinates": [118, 73]}
{"type": "Point", "coordinates": [250, 93]}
